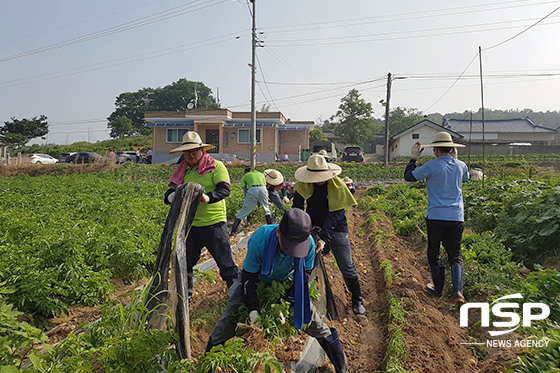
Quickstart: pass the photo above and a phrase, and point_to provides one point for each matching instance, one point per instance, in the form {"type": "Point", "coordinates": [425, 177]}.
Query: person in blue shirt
{"type": "Point", "coordinates": [274, 253]}
{"type": "Point", "coordinates": [445, 215]}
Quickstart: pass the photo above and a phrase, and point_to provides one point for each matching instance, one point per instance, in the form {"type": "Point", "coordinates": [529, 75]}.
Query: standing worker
{"type": "Point", "coordinates": [275, 184]}
{"type": "Point", "coordinates": [253, 184]}
{"type": "Point", "coordinates": [137, 155]}
{"type": "Point", "coordinates": [274, 253]}
{"type": "Point", "coordinates": [444, 216]}
{"type": "Point", "coordinates": [149, 154]}
{"type": "Point", "coordinates": [209, 227]}
{"type": "Point", "coordinates": [327, 196]}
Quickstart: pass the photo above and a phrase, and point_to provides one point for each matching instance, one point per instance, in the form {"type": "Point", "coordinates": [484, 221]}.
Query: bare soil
{"type": "Point", "coordinates": [432, 333]}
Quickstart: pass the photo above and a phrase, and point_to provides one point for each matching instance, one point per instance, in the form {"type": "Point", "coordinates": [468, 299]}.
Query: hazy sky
{"type": "Point", "coordinates": [70, 59]}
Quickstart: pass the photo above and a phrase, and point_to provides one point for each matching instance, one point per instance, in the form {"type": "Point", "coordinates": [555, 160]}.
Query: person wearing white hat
{"type": "Point", "coordinates": [349, 183]}
{"type": "Point", "coordinates": [209, 227]}
{"type": "Point", "coordinates": [274, 184]}
{"type": "Point", "coordinates": [445, 213]}
{"type": "Point", "coordinates": [327, 196]}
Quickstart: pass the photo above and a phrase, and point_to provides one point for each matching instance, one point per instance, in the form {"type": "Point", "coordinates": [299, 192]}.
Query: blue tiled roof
{"type": "Point", "coordinates": [518, 125]}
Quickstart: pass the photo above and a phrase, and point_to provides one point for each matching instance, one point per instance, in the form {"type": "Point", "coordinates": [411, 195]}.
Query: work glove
{"type": "Point", "coordinates": [454, 153]}
{"type": "Point", "coordinates": [320, 246]}
{"type": "Point", "coordinates": [168, 197]}
{"type": "Point", "coordinates": [416, 151]}
{"type": "Point", "coordinates": [253, 316]}
{"type": "Point", "coordinates": [286, 200]}
{"type": "Point", "coordinates": [205, 198]}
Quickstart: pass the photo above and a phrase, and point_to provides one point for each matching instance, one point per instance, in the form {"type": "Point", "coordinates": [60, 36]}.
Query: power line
{"type": "Point", "coordinates": [157, 17]}
{"type": "Point", "coordinates": [527, 29]}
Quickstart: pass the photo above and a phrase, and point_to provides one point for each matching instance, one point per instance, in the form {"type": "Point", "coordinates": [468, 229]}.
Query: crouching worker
{"type": "Point", "coordinates": [274, 253]}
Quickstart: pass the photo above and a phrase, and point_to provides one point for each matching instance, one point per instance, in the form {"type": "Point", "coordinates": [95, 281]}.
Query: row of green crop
{"type": "Point", "coordinates": [524, 216]}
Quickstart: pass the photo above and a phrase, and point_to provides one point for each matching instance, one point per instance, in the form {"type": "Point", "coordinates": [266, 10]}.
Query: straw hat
{"type": "Point", "coordinates": [273, 177]}
{"type": "Point", "coordinates": [444, 140]}
{"type": "Point", "coordinates": [191, 140]}
{"type": "Point", "coordinates": [347, 180]}
{"type": "Point", "coordinates": [317, 170]}
{"type": "Point", "coordinates": [323, 152]}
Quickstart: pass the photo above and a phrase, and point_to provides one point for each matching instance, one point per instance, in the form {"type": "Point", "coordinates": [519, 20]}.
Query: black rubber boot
{"type": "Point", "coordinates": [190, 283]}
{"type": "Point", "coordinates": [229, 282]}
{"type": "Point", "coordinates": [333, 349]}
{"type": "Point", "coordinates": [357, 303]}
{"type": "Point", "coordinates": [438, 279]}
{"type": "Point", "coordinates": [209, 346]}
{"type": "Point", "coordinates": [235, 226]}
{"type": "Point", "coordinates": [457, 279]}
{"type": "Point", "coordinates": [269, 219]}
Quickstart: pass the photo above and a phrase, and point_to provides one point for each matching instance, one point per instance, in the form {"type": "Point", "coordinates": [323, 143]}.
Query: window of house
{"type": "Point", "coordinates": [415, 136]}
{"type": "Point", "coordinates": [175, 134]}
{"type": "Point", "coordinates": [244, 136]}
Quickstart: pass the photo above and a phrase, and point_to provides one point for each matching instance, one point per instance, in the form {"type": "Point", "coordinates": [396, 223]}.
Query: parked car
{"type": "Point", "coordinates": [352, 154]}
{"type": "Point", "coordinates": [130, 156]}
{"type": "Point", "coordinates": [62, 157]}
{"type": "Point", "coordinates": [42, 159]}
{"type": "Point", "coordinates": [87, 157]}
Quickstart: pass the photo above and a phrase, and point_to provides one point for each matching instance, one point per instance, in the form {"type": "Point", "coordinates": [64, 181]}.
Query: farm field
{"type": "Point", "coordinates": [74, 241]}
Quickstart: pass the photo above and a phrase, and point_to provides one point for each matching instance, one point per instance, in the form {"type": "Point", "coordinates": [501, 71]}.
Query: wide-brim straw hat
{"type": "Point", "coordinates": [273, 177]}
{"type": "Point", "coordinates": [443, 140]}
{"type": "Point", "coordinates": [323, 152]}
{"type": "Point", "coordinates": [191, 140]}
{"type": "Point", "coordinates": [347, 180]}
{"type": "Point", "coordinates": [317, 170]}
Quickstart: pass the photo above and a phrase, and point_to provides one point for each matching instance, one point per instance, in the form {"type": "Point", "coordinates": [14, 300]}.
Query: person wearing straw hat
{"type": "Point", "coordinates": [254, 187]}
{"type": "Point", "coordinates": [445, 214]}
{"type": "Point", "coordinates": [349, 183]}
{"type": "Point", "coordinates": [274, 184]}
{"type": "Point", "coordinates": [327, 196]}
{"type": "Point", "coordinates": [274, 253]}
{"type": "Point", "coordinates": [209, 227]}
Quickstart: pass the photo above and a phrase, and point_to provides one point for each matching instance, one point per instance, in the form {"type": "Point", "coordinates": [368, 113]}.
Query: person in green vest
{"type": "Point", "coordinates": [254, 187]}
{"type": "Point", "coordinates": [209, 227]}
{"type": "Point", "coordinates": [324, 196]}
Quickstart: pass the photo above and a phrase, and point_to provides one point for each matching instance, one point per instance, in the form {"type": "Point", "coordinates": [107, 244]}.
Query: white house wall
{"type": "Point", "coordinates": [401, 147]}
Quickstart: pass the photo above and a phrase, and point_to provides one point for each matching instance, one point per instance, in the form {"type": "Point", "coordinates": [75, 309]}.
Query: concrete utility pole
{"type": "Point", "coordinates": [253, 82]}
{"type": "Point", "coordinates": [387, 119]}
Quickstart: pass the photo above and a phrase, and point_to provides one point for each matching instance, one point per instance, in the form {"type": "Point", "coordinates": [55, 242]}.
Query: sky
{"type": "Point", "coordinates": [69, 60]}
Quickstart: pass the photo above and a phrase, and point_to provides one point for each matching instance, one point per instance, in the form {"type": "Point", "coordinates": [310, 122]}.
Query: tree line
{"type": "Point", "coordinates": [353, 122]}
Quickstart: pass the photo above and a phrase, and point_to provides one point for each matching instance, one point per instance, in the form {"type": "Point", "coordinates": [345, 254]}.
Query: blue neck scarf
{"type": "Point", "coordinates": [302, 306]}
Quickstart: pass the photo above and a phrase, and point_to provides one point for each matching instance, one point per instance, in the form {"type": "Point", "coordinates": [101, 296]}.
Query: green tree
{"type": "Point", "coordinates": [19, 132]}
{"type": "Point", "coordinates": [353, 122]}
{"type": "Point", "coordinates": [317, 134]}
{"type": "Point", "coordinates": [173, 97]}
{"type": "Point", "coordinates": [401, 119]}
{"type": "Point", "coordinates": [122, 127]}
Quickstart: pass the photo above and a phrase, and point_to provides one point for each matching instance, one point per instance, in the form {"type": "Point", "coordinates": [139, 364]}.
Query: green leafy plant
{"type": "Point", "coordinates": [232, 356]}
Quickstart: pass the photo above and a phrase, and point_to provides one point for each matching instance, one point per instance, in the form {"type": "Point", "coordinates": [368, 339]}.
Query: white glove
{"type": "Point", "coordinates": [204, 198]}
{"type": "Point", "coordinates": [286, 200]}
{"type": "Point", "coordinates": [454, 153]}
{"type": "Point", "coordinates": [416, 151]}
{"type": "Point", "coordinates": [320, 246]}
{"type": "Point", "coordinates": [253, 316]}
{"type": "Point", "coordinates": [170, 197]}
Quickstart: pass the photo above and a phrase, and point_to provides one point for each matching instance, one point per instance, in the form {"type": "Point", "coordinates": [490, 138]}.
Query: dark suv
{"type": "Point", "coordinates": [352, 153]}
{"type": "Point", "coordinates": [63, 156]}
{"type": "Point", "coordinates": [87, 157]}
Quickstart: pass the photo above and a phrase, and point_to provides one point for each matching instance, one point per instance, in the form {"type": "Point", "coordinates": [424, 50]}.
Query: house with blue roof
{"type": "Point", "coordinates": [503, 131]}
{"type": "Point", "coordinates": [230, 133]}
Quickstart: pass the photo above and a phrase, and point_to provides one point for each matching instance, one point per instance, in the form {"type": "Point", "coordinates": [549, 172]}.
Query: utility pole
{"type": "Point", "coordinates": [387, 119]}
{"type": "Point", "coordinates": [253, 82]}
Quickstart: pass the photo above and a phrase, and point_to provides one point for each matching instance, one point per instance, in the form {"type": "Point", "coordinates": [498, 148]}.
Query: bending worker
{"type": "Point", "coordinates": [253, 184]}
{"type": "Point", "coordinates": [444, 216]}
{"type": "Point", "coordinates": [209, 227]}
{"type": "Point", "coordinates": [327, 196]}
{"type": "Point", "coordinates": [275, 184]}
{"type": "Point", "coordinates": [274, 253]}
